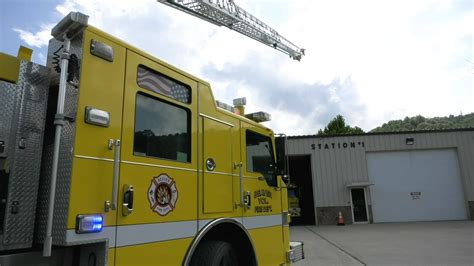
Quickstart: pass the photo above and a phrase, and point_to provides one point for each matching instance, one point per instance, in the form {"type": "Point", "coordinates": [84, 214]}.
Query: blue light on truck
{"type": "Point", "coordinates": [89, 223]}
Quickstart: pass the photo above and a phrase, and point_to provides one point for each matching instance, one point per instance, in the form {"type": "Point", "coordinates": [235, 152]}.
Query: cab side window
{"type": "Point", "coordinates": [162, 130]}
{"type": "Point", "coordinates": [161, 84]}
{"type": "Point", "coordinates": [260, 157]}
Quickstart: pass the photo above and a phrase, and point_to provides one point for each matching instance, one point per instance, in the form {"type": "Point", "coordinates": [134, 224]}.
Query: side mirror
{"type": "Point", "coordinates": [282, 158]}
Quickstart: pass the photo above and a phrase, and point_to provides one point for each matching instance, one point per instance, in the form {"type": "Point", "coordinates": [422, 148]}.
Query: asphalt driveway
{"type": "Point", "coordinates": [423, 243]}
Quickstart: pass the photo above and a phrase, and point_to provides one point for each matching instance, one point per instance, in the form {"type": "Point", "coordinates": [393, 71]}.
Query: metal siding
{"type": "Point", "coordinates": [333, 169]}
{"type": "Point", "coordinates": [344, 174]}
{"type": "Point", "coordinates": [425, 141]}
{"type": "Point", "coordinates": [440, 141]}
{"type": "Point", "coordinates": [365, 174]}
{"type": "Point", "coordinates": [345, 168]}
{"type": "Point", "coordinates": [370, 145]}
{"type": "Point", "coordinates": [322, 178]}
{"type": "Point", "coordinates": [462, 168]}
{"type": "Point", "coordinates": [319, 180]}
{"type": "Point", "coordinates": [340, 180]}
{"type": "Point", "coordinates": [436, 141]}
{"type": "Point", "coordinates": [465, 154]}
{"type": "Point", "coordinates": [382, 142]}
{"type": "Point", "coordinates": [362, 176]}
{"type": "Point", "coordinates": [325, 178]}
{"type": "Point", "coordinates": [470, 165]}
{"type": "Point", "coordinates": [334, 182]}
{"type": "Point", "coordinates": [449, 140]}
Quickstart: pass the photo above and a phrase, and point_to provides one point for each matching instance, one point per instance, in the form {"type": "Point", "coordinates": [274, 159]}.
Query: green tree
{"type": "Point", "coordinates": [338, 126]}
{"type": "Point", "coordinates": [421, 123]}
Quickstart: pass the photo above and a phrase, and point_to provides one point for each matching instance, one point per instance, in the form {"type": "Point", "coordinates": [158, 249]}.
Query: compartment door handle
{"type": "Point", "coordinates": [127, 206]}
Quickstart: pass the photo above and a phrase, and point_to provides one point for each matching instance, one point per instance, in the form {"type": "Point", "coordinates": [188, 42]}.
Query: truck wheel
{"type": "Point", "coordinates": [214, 253]}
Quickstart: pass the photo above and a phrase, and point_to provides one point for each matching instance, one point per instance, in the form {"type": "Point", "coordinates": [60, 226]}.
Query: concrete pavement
{"type": "Point", "coordinates": [423, 243]}
{"type": "Point", "coordinates": [318, 251]}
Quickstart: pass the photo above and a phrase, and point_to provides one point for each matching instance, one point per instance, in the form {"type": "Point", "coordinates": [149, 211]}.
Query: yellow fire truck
{"type": "Point", "coordinates": [109, 156]}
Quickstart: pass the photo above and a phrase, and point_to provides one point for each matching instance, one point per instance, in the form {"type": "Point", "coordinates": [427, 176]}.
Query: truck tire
{"type": "Point", "coordinates": [214, 253]}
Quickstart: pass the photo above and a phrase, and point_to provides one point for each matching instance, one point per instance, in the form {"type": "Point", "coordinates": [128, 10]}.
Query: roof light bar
{"type": "Point", "coordinates": [225, 106]}
{"type": "Point", "coordinates": [259, 117]}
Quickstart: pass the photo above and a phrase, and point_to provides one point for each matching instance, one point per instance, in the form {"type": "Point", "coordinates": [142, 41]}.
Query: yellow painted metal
{"type": "Point", "coordinates": [269, 245]}
{"type": "Point", "coordinates": [216, 188]}
{"type": "Point", "coordinates": [140, 172]}
{"type": "Point", "coordinates": [9, 68]}
{"type": "Point", "coordinates": [141, 178]}
{"type": "Point", "coordinates": [285, 206]}
{"type": "Point", "coordinates": [102, 87]}
{"type": "Point", "coordinates": [218, 185]}
{"type": "Point", "coordinates": [160, 253]}
{"type": "Point", "coordinates": [25, 53]}
{"type": "Point", "coordinates": [145, 55]}
{"type": "Point", "coordinates": [266, 200]}
{"type": "Point", "coordinates": [91, 186]}
{"type": "Point", "coordinates": [111, 257]}
{"type": "Point", "coordinates": [286, 240]}
{"type": "Point", "coordinates": [284, 194]}
{"type": "Point", "coordinates": [112, 87]}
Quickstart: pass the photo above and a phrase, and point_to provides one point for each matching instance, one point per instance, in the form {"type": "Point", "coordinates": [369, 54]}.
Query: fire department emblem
{"type": "Point", "coordinates": [162, 194]}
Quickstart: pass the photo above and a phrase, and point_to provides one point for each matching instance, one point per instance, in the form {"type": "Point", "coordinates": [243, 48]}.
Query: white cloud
{"type": "Point", "coordinates": [42, 58]}
{"type": "Point", "coordinates": [36, 39]}
{"type": "Point", "coordinates": [369, 60]}
{"type": "Point", "coordinates": [405, 57]}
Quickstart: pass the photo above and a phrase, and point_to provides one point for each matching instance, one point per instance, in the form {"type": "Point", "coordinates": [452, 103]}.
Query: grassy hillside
{"type": "Point", "coordinates": [421, 123]}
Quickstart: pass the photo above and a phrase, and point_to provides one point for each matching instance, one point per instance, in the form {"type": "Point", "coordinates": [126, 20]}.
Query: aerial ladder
{"type": "Point", "coordinates": [227, 13]}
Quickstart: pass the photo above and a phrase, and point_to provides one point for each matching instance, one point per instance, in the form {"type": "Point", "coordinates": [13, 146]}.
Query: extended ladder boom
{"type": "Point", "coordinates": [227, 13]}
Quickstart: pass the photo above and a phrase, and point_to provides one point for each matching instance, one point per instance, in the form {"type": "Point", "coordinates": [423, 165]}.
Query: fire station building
{"type": "Point", "coordinates": [384, 177]}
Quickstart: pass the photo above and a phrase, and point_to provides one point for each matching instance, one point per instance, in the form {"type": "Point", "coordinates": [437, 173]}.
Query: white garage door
{"type": "Point", "coordinates": [416, 186]}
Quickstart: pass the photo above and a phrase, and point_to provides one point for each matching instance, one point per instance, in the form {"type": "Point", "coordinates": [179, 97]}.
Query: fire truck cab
{"type": "Point", "coordinates": [110, 156]}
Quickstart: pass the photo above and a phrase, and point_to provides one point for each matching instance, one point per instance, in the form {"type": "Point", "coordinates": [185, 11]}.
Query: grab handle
{"type": "Point", "coordinates": [116, 174]}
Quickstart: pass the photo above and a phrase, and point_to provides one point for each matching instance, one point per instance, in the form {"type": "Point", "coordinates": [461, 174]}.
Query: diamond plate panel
{"type": "Point", "coordinates": [9, 95]}
{"type": "Point", "coordinates": [24, 154]}
{"type": "Point", "coordinates": [61, 205]}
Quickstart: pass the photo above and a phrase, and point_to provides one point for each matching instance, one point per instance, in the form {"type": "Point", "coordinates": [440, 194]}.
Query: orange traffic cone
{"type": "Point", "coordinates": [340, 220]}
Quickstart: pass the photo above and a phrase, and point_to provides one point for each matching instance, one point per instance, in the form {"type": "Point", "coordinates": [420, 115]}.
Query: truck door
{"type": "Point", "coordinates": [217, 157]}
{"type": "Point", "coordinates": [158, 170]}
{"type": "Point", "coordinates": [98, 123]}
{"type": "Point", "coordinates": [263, 214]}
{"type": "Point", "coordinates": [220, 184]}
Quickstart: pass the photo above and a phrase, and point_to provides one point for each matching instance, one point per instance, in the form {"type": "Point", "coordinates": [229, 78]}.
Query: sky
{"type": "Point", "coordinates": [369, 60]}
